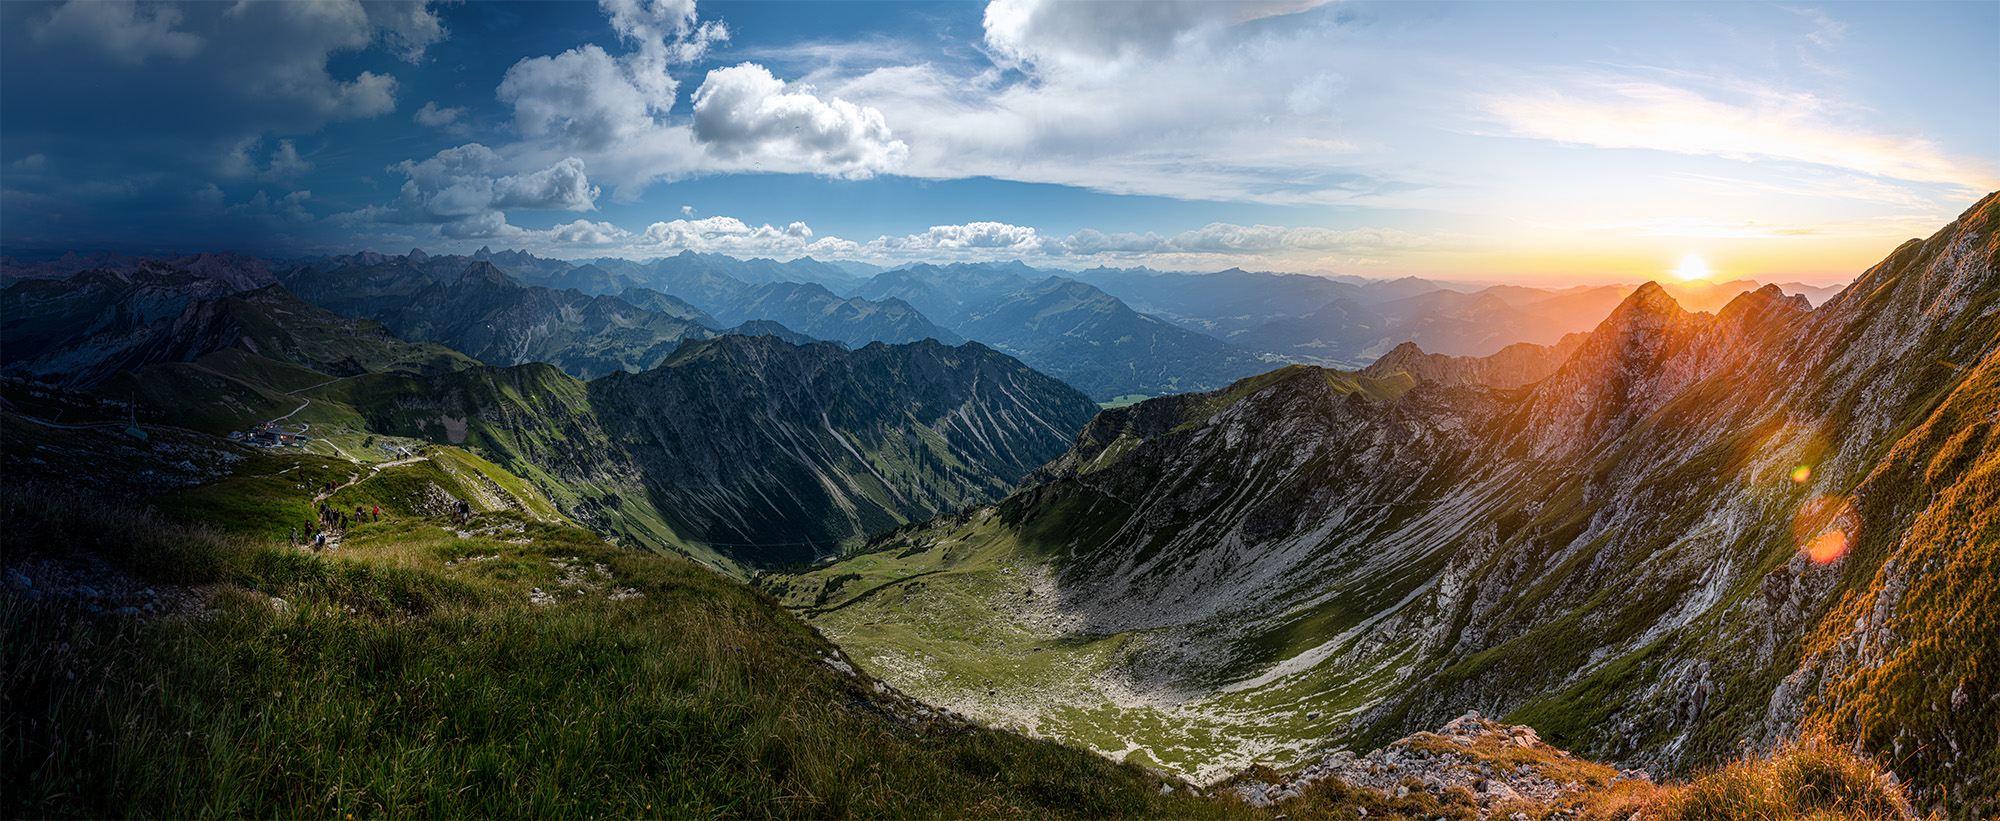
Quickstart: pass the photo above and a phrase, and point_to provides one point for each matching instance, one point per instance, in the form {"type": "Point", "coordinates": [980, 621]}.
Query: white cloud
{"type": "Point", "coordinates": [431, 116]}
{"type": "Point", "coordinates": [585, 232]}
{"type": "Point", "coordinates": [721, 235]}
{"type": "Point", "coordinates": [1760, 123]}
{"type": "Point", "coordinates": [464, 191]}
{"type": "Point", "coordinates": [982, 236]}
{"type": "Point", "coordinates": [486, 225]}
{"type": "Point", "coordinates": [119, 29]}
{"type": "Point", "coordinates": [613, 110]}
{"type": "Point", "coordinates": [1087, 34]}
{"type": "Point", "coordinates": [1205, 101]}
{"type": "Point", "coordinates": [1212, 247]}
{"type": "Point", "coordinates": [408, 26]}
{"type": "Point", "coordinates": [1217, 245]}
{"type": "Point", "coordinates": [562, 186]}
{"type": "Point", "coordinates": [666, 33]}
{"type": "Point", "coordinates": [583, 98]}
{"type": "Point", "coordinates": [743, 113]}
{"type": "Point", "coordinates": [705, 233]}
{"type": "Point", "coordinates": [1090, 241]}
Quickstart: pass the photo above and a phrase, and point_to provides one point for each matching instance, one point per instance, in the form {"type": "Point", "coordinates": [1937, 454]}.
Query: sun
{"type": "Point", "coordinates": [1692, 268]}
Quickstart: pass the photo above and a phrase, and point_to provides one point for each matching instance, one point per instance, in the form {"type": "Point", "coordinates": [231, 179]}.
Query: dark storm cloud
{"type": "Point", "coordinates": [135, 109]}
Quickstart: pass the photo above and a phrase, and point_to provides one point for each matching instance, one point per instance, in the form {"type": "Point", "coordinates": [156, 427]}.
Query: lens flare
{"type": "Point", "coordinates": [1829, 546]}
{"type": "Point", "coordinates": [1801, 473]}
{"type": "Point", "coordinates": [1825, 528]}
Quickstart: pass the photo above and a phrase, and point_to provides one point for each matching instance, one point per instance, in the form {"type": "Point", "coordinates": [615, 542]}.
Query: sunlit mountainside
{"type": "Point", "coordinates": [1680, 534]}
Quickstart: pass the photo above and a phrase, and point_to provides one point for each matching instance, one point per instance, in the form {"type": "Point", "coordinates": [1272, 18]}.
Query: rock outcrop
{"type": "Point", "coordinates": [1501, 769]}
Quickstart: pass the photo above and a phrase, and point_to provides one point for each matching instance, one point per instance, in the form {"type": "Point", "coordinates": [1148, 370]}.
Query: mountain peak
{"type": "Point", "coordinates": [1769, 300]}
{"type": "Point", "coordinates": [417, 255]}
{"type": "Point", "coordinates": [1651, 299]}
{"type": "Point", "coordinates": [483, 271]}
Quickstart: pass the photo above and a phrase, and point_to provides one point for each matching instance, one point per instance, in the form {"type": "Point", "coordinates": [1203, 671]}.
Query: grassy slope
{"type": "Point", "coordinates": [408, 674]}
{"type": "Point", "coordinates": [1919, 686]}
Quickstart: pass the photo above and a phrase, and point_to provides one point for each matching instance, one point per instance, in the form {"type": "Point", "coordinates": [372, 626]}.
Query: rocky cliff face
{"type": "Point", "coordinates": [1698, 529]}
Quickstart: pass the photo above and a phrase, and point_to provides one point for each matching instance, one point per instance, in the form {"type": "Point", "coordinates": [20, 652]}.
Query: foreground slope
{"type": "Point", "coordinates": [1700, 529]}
{"type": "Point", "coordinates": [171, 663]}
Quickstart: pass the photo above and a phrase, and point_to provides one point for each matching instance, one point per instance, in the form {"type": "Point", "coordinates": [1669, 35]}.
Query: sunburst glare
{"type": "Point", "coordinates": [1692, 268]}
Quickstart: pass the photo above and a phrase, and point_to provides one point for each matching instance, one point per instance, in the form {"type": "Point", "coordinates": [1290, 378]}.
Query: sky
{"type": "Point", "coordinates": [1540, 143]}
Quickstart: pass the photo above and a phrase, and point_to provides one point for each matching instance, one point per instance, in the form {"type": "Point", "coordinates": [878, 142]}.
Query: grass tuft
{"type": "Point", "coordinates": [1811, 778]}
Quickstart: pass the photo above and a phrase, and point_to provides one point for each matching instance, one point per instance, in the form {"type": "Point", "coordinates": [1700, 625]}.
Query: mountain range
{"type": "Point", "coordinates": [1116, 334]}
{"type": "Point", "coordinates": [1711, 518]}
{"type": "Point", "coordinates": [1678, 534]}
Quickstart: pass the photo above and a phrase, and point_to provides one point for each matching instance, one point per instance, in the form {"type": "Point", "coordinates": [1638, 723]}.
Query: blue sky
{"type": "Point", "coordinates": [1535, 142]}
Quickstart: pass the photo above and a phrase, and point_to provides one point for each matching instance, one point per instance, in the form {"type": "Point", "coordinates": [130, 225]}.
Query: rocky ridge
{"type": "Point", "coordinates": [1517, 365]}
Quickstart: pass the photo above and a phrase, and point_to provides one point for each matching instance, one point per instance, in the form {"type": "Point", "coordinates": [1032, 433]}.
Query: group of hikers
{"type": "Point", "coordinates": [334, 520]}
{"type": "Point", "coordinates": [331, 520]}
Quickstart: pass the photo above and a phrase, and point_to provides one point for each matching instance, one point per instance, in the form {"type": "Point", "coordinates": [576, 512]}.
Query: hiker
{"type": "Point", "coordinates": [378, 513]}
{"type": "Point", "coordinates": [294, 541]}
